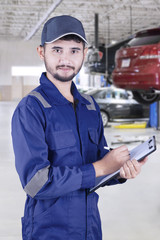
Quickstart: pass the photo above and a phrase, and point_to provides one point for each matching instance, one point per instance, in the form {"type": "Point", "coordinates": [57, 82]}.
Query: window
{"type": "Point", "coordinates": [144, 40]}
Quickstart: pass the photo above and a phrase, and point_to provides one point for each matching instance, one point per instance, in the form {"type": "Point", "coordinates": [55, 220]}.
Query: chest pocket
{"type": "Point", "coordinates": [93, 135]}
{"type": "Point", "coordinates": [61, 139]}
{"type": "Point", "coordinates": [63, 149]}
{"type": "Point", "coordinates": [92, 145]}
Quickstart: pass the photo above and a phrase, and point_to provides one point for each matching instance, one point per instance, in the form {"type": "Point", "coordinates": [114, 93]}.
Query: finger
{"type": "Point", "coordinates": [131, 169]}
{"type": "Point", "coordinates": [136, 165]}
{"type": "Point", "coordinates": [122, 152]}
{"type": "Point", "coordinates": [122, 173]}
{"type": "Point", "coordinates": [120, 155]}
{"type": "Point", "coordinates": [126, 168]}
{"type": "Point", "coordinates": [122, 148]}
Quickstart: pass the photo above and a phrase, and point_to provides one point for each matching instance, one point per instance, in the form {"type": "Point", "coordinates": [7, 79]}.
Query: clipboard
{"type": "Point", "coordinates": [138, 153]}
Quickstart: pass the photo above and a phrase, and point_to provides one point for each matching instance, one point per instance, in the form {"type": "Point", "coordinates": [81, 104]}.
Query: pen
{"type": "Point", "coordinates": [108, 148]}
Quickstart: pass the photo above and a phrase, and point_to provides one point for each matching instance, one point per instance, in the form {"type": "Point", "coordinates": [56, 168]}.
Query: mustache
{"type": "Point", "coordinates": [63, 66]}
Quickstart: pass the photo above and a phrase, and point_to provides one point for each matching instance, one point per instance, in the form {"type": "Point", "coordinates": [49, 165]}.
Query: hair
{"type": "Point", "coordinates": [74, 38]}
{"type": "Point", "coordinates": [71, 37]}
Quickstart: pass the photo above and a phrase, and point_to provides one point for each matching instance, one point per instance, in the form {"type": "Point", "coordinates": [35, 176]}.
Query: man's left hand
{"type": "Point", "coordinates": [131, 169]}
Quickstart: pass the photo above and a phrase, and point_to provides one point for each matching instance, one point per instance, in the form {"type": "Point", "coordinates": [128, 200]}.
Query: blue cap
{"type": "Point", "coordinates": [60, 26]}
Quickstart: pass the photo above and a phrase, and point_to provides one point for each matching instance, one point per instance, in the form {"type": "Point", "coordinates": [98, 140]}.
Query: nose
{"type": "Point", "coordinates": [64, 59]}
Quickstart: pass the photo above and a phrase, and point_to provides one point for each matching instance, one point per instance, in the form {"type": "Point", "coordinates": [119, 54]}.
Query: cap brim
{"type": "Point", "coordinates": [71, 33]}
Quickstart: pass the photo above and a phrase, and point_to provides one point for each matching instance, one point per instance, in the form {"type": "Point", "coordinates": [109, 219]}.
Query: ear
{"type": "Point", "coordinates": [85, 51]}
{"type": "Point", "coordinates": [40, 51]}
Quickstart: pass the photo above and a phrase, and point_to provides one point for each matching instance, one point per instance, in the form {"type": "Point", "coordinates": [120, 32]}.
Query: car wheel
{"type": "Point", "coordinates": [105, 118]}
{"type": "Point", "coordinates": [145, 98]}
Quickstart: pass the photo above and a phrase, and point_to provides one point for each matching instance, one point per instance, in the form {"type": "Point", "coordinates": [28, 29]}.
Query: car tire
{"type": "Point", "coordinates": [105, 118]}
{"type": "Point", "coordinates": [145, 98]}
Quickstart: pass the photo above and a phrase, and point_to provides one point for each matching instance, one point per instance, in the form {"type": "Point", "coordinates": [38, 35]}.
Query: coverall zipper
{"type": "Point", "coordinates": [74, 105]}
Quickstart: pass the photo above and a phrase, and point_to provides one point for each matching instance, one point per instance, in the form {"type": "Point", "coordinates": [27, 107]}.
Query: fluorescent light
{"type": "Point", "coordinates": [27, 71]}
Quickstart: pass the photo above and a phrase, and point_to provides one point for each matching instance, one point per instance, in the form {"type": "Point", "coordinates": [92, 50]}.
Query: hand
{"type": "Point", "coordinates": [131, 169]}
{"type": "Point", "coordinates": [112, 161]}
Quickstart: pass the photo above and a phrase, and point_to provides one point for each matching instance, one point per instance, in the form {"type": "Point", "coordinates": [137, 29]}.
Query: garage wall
{"type": "Point", "coordinates": [16, 53]}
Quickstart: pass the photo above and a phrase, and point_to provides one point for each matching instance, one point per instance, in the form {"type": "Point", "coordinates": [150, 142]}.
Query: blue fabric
{"type": "Point", "coordinates": [68, 144]}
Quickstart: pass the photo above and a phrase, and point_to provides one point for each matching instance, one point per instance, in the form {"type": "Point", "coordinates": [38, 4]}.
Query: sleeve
{"type": "Point", "coordinates": [39, 179]}
{"type": "Point", "coordinates": [103, 149]}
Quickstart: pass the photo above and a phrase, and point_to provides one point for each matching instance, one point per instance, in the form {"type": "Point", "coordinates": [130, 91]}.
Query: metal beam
{"type": "Point", "coordinates": [43, 19]}
{"type": "Point", "coordinates": [96, 30]}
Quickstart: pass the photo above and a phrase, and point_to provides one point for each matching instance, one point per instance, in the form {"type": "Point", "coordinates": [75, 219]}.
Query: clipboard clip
{"type": "Point", "coordinates": [150, 145]}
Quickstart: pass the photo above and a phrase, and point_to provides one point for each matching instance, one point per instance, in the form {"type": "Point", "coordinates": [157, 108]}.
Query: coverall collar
{"type": "Point", "coordinates": [55, 96]}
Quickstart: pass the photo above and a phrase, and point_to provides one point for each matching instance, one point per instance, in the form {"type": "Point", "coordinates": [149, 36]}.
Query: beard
{"type": "Point", "coordinates": [63, 79]}
{"type": "Point", "coordinates": [58, 76]}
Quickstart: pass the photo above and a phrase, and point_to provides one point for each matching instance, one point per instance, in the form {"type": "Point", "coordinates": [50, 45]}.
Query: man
{"type": "Point", "coordinates": [59, 143]}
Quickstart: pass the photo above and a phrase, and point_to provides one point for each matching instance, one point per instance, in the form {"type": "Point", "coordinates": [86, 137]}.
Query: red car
{"type": "Point", "coordinates": [138, 66]}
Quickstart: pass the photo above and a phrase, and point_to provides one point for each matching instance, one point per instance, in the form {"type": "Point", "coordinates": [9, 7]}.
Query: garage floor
{"type": "Point", "coordinates": [130, 211]}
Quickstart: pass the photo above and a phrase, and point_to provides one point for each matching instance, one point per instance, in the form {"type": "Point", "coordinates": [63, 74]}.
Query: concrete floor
{"type": "Point", "coordinates": [130, 211]}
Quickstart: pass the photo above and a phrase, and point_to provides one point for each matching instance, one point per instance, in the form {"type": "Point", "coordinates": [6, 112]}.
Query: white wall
{"type": "Point", "coordinates": [15, 53]}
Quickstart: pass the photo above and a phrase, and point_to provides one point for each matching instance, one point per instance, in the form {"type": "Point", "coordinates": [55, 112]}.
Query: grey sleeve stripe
{"type": "Point", "coordinates": [37, 182]}
{"type": "Point", "coordinates": [40, 98]}
{"type": "Point", "coordinates": [92, 105]}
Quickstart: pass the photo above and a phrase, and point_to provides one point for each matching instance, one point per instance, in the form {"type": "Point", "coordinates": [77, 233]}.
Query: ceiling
{"type": "Point", "coordinates": [118, 19]}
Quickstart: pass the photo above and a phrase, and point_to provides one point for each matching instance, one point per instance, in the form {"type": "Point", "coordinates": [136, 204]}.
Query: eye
{"type": "Point", "coordinates": [74, 51]}
{"type": "Point", "coordinates": [57, 50]}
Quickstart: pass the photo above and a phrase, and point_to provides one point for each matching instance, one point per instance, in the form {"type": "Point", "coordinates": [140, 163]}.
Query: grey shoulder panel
{"type": "Point", "coordinates": [40, 98]}
{"type": "Point", "coordinates": [90, 106]}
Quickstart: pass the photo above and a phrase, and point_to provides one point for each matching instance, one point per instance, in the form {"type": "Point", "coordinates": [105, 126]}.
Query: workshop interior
{"type": "Point", "coordinates": [121, 71]}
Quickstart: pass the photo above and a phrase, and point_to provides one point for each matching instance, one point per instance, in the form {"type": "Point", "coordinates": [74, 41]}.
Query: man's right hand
{"type": "Point", "coordinates": [112, 161]}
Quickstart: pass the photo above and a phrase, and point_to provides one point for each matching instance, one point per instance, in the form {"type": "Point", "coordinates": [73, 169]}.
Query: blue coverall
{"type": "Point", "coordinates": [55, 146]}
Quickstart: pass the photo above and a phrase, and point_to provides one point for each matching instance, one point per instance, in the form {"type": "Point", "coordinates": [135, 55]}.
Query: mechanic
{"type": "Point", "coordinates": [59, 143]}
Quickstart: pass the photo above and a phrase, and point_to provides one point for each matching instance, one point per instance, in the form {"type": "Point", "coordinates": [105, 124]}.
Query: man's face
{"type": "Point", "coordinates": [63, 59]}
